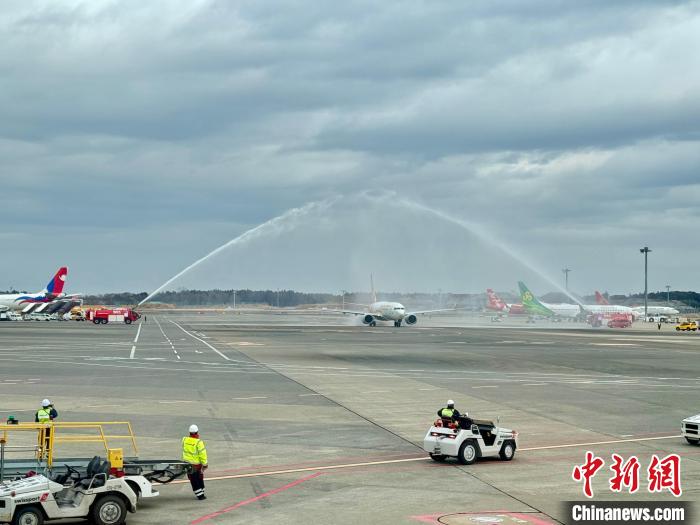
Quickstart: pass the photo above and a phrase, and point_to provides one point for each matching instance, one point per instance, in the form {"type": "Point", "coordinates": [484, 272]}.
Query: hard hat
{"type": "Point", "coordinates": [194, 429]}
{"type": "Point", "coordinates": [45, 403]}
{"type": "Point", "coordinates": [450, 403]}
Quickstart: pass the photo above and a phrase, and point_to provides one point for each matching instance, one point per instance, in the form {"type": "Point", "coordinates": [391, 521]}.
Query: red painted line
{"type": "Point", "coordinates": [256, 498]}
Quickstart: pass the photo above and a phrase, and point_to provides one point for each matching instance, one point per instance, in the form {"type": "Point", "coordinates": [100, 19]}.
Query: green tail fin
{"type": "Point", "coordinates": [531, 304]}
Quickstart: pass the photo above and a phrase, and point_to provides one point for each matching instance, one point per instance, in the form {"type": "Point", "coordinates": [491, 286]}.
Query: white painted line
{"type": "Point", "coordinates": [200, 340]}
{"type": "Point", "coordinates": [535, 384]}
{"type": "Point", "coordinates": [612, 344]}
{"type": "Point", "coordinates": [178, 357]}
{"type": "Point", "coordinates": [427, 389]}
{"type": "Point", "coordinates": [173, 402]}
{"type": "Point", "coordinates": [253, 397]}
{"type": "Point", "coordinates": [572, 445]}
{"type": "Point", "coordinates": [486, 386]}
{"type": "Point", "coordinates": [307, 395]}
{"type": "Point", "coordinates": [136, 340]}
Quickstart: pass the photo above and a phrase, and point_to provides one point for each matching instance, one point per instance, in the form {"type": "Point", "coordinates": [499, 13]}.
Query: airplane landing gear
{"type": "Point", "coordinates": [397, 324]}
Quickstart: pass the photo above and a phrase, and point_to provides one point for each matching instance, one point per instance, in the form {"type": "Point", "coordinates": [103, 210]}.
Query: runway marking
{"type": "Point", "coordinates": [307, 395]}
{"type": "Point", "coordinates": [535, 384]}
{"type": "Point", "coordinates": [200, 340]}
{"type": "Point", "coordinates": [173, 402]}
{"type": "Point", "coordinates": [486, 386]}
{"type": "Point", "coordinates": [411, 460]}
{"type": "Point", "coordinates": [136, 340]}
{"type": "Point", "coordinates": [611, 442]}
{"type": "Point", "coordinates": [252, 397]}
{"type": "Point", "coordinates": [256, 498]}
{"type": "Point", "coordinates": [613, 344]}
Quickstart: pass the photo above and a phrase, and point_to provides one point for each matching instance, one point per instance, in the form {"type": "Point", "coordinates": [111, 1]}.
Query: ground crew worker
{"type": "Point", "coordinates": [46, 414]}
{"type": "Point", "coordinates": [194, 452]}
{"type": "Point", "coordinates": [450, 412]}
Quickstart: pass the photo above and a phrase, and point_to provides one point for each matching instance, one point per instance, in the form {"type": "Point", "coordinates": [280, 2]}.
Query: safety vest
{"type": "Point", "coordinates": [194, 451]}
{"type": "Point", "coordinates": [44, 415]}
{"type": "Point", "coordinates": [447, 412]}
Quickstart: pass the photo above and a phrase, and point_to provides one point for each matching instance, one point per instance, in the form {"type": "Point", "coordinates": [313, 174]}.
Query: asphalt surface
{"type": "Point", "coordinates": [309, 418]}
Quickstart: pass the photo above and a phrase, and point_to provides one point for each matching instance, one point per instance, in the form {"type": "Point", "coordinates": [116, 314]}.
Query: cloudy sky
{"type": "Point", "coordinates": [135, 137]}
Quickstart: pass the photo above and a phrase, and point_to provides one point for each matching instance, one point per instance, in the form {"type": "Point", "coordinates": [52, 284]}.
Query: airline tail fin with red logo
{"type": "Point", "coordinates": [55, 286]}
{"type": "Point", "coordinates": [495, 302]}
{"type": "Point", "coordinates": [600, 298]}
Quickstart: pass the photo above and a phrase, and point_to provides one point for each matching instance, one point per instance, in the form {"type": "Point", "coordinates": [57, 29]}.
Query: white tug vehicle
{"type": "Point", "coordinates": [690, 429]}
{"type": "Point", "coordinates": [469, 439]}
{"type": "Point", "coordinates": [95, 495]}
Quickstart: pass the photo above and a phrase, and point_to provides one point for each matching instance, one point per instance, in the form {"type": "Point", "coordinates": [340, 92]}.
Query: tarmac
{"type": "Point", "coordinates": [311, 418]}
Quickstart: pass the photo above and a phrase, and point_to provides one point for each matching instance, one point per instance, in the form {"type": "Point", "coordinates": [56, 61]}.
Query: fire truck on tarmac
{"type": "Point", "coordinates": [112, 315]}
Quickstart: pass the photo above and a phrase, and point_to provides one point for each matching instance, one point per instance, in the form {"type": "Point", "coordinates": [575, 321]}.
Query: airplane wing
{"type": "Point", "coordinates": [351, 312]}
{"type": "Point", "coordinates": [423, 312]}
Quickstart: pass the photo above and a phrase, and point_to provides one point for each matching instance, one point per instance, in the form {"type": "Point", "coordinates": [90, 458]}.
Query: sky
{"type": "Point", "coordinates": [136, 137]}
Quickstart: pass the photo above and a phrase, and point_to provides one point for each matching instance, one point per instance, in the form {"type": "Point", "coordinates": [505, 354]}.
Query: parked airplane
{"type": "Point", "coordinates": [389, 311]}
{"type": "Point", "coordinates": [655, 310]}
{"type": "Point", "coordinates": [53, 291]}
{"type": "Point", "coordinates": [638, 311]}
{"type": "Point", "coordinates": [534, 306]}
{"type": "Point", "coordinates": [574, 310]}
{"type": "Point", "coordinates": [497, 304]}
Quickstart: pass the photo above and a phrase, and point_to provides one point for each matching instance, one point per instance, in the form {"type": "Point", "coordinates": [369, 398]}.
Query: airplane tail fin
{"type": "Point", "coordinates": [600, 298]}
{"type": "Point", "coordinates": [55, 286]}
{"type": "Point", "coordinates": [530, 303]}
{"type": "Point", "coordinates": [371, 283]}
{"type": "Point", "coordinates": [495, 302]}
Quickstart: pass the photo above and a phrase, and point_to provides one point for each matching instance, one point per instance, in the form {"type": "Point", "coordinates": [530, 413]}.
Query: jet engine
{"type": "Point", "coordinates": [410, 319]}
{"type": "Point", "coordinates": [368, 319]}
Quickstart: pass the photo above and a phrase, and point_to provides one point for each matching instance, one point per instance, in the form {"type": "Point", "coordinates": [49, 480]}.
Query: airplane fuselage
{"type": "Point", "coordinates": [387, 311]}
{"type": "Point", "coordinates": [20, 301]}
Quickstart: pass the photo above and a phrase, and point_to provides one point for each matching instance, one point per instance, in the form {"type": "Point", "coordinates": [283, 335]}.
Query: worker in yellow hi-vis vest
{"type": "Point", "coordinates": [46, 414]}
{"type": "Point", "coordinates": [194, 452]}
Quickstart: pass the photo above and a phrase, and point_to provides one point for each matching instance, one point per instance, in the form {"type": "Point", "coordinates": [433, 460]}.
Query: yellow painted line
{"type": "Point", "coordinates": [409, 460]}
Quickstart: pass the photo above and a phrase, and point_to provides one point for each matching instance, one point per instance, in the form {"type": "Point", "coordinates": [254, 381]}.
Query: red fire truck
{"type": "Point", "coordinates": [113, 315]}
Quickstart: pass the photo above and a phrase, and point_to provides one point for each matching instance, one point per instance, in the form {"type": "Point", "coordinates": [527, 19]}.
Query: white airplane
{"type": "Point", "coordinates": [534, 306]}
{"type": "Point", "coordinates": [655, 310]}
{"type": "Point", "coordinates": [23, 301]}
{"type": "Point", "coordinates": [389, 311]}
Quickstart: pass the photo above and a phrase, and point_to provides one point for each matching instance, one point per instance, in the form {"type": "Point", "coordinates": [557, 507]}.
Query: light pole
{"type": "Point", "coordinates": [234, 299]}
{"type": "Point", "coordinates": [343, 292]}
{"type": "Point", "coordinates": [645, 251]}
{"type": "Point", "coordinates": [566, 278]}
{"type": "Point", "coordinates": [668, 294]}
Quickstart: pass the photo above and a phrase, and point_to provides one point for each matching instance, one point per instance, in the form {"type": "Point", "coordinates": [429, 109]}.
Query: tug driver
{"type": "Point", "coordinates": [449, 413]}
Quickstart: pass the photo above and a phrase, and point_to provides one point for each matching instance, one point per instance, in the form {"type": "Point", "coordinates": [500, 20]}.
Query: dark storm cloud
{"type": "Point", "coordinates": [556, 124]}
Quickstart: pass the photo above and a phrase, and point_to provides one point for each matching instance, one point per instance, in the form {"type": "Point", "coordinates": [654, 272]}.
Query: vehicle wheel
{"type": "Point", "coordinates": [678, 329]}
{"type": "Point", "coordinates": [438, 457]}
{"type": "Point", "coordinates": [108, 510]}
{"type": "Point", "coordinates": [96, 321]}
{"type": "Point", "coordinates": [507, 451]}
{"type": "Point", "coordinates": [105, 321]}
{"type": "Point", "coordinates": [127, 320]}
{"type": "Point", "coordinates": [28, 516]}
{"type": "Point", "coordinates": [468, 453]}
{"type": "Point", "coordinates": [692, 441]}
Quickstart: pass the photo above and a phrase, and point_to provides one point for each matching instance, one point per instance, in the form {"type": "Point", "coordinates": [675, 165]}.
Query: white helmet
{"type": "Point", "coordinates": [450, 403]}
{"type": "Point", "coordinates": [194, 429]}
{"type": "Point", "coordinates": [45, 403]}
